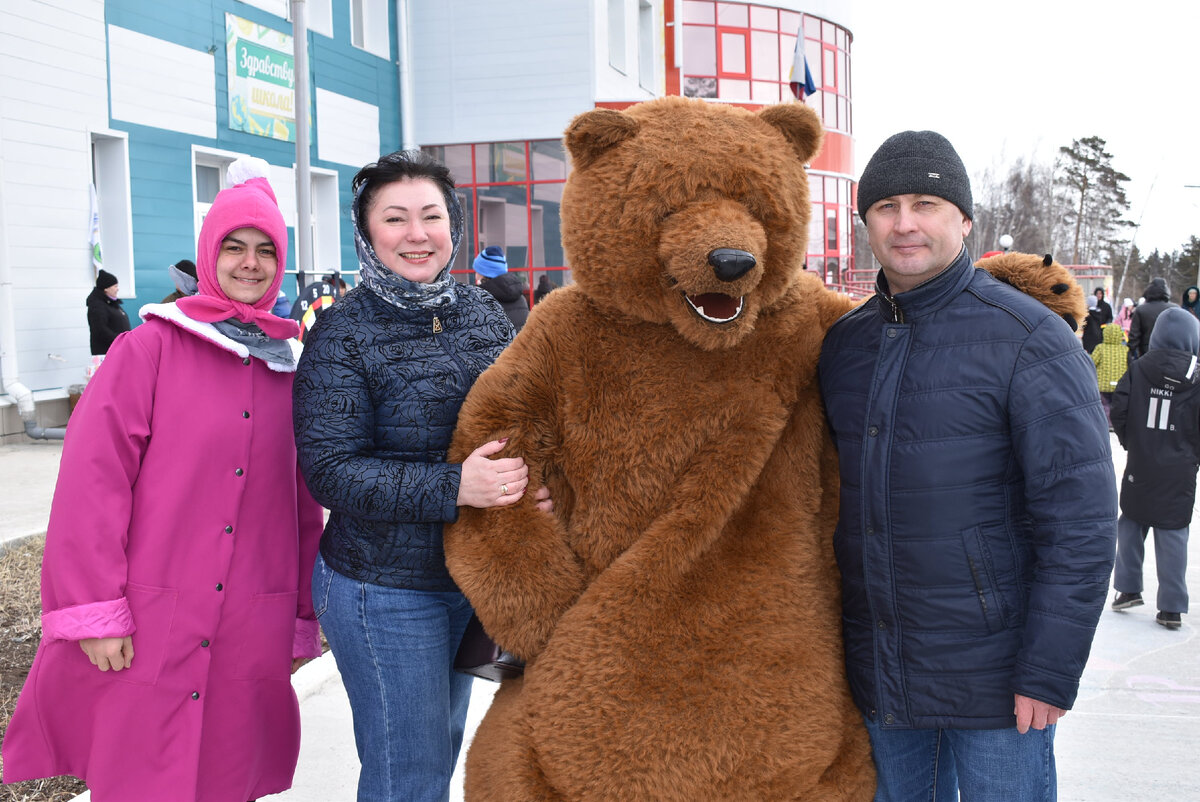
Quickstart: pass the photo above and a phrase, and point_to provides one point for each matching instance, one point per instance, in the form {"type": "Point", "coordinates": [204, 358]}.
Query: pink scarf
{"type": "Point", "coordinates": [250, 204]}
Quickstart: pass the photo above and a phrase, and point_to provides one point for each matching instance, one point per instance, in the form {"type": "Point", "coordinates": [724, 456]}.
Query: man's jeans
{"type": "Point", "coordinates": [395, 651]}
{"type": "Point", "coordinates": [981, 765]}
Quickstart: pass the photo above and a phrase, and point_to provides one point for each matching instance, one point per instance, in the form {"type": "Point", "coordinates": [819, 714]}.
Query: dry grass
{"type": "Point", "coordinates": [20, 629]}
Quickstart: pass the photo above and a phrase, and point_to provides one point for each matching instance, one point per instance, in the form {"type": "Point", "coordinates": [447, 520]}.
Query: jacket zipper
{"type": "Point", "coordinates": [978, 586]}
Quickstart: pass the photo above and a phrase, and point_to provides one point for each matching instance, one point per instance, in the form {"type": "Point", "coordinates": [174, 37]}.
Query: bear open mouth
{"type": "Point", "coordinates": [715, 307]}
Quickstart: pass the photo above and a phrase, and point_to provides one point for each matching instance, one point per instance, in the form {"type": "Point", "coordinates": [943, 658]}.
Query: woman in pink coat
{"type": "Point", "coordinates": [176, 581]}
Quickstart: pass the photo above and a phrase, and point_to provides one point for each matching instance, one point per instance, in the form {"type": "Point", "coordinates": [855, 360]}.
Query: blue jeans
{"type": "Point", "coordinates": [395, 651]}
{"type": "Point", "coordinates": [937, 765]}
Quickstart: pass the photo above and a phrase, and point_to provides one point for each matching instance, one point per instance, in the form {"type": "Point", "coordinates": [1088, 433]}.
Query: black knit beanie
{"type": "Point", "coordinates": [915, 163]}
{"type": "Point", "coordinates": [104, 279]}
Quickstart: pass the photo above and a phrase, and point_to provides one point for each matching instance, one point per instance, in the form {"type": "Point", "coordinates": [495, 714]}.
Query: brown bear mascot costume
{"type": "Point", "coordinates": [680, 609]}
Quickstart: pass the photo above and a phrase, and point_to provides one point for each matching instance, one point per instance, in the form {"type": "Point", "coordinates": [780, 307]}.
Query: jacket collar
{"type": "Point", "coordinates": [927, 297]}
{"type": "Point", "coordinates": [207, 331]}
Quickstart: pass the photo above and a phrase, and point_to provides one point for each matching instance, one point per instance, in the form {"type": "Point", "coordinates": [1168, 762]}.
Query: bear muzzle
{"type": "Point", "coordinates": [728, 264]}
{"type": "Point", "coordinates": [716, 307]}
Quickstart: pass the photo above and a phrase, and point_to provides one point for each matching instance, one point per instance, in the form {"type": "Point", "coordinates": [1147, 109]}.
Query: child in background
{"type": "Point", "coordinates": [1111, 359]}
{"type": "Point", "coordinates": [1156, 415]}
{"type": "Point", "coordinates": [176, 583]}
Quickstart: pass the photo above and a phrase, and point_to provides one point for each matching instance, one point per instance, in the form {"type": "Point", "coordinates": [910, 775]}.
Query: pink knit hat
{"type": "Point", "coordinates": [249, 203]}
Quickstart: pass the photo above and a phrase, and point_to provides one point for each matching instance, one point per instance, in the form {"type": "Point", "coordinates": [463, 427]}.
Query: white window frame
{"type": "Point", "coordinates": [618, 57]}
{"type": "Point", "coordinates": [373, 17]}
{"type": "Point", "coordinates": [280, 8]}
{"type": "Point", "coordinates": [319, 16]}
{"type": "Point", "coordinates": [326, 223]}
{"type": "Point", "coordinates": [209, 157]}
{"type": "Point", "coordinates": [110, 172]}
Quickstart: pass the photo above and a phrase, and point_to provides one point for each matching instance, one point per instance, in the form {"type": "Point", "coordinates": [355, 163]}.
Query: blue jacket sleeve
{"type": "Point", "coordinates": [1060, 439]}
{"type": "Point", "coordinates": [334, 420]}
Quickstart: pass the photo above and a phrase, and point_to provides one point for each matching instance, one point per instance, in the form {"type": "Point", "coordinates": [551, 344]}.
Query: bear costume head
{"type": "Point", "coordinates": [720, 227]}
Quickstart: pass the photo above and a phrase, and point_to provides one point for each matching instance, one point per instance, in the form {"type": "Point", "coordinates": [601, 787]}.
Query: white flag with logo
{"type": "Point", "coordinates": [94, 233]}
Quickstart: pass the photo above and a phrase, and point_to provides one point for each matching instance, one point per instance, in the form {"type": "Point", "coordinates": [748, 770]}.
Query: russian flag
{"type": "Point", "coordinates": [801, 88]}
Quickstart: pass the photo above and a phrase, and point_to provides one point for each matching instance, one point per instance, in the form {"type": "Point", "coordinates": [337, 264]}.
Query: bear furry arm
{"type": "Point", "coordinates": [514, 562]}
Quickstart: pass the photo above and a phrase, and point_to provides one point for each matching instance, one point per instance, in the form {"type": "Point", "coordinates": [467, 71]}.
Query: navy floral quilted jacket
{"type": "Point", "coordinates": [376, 399]}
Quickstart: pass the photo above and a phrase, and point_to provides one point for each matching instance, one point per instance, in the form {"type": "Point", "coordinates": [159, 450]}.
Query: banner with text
{"type": "Point", "coordinates": [262, 79]}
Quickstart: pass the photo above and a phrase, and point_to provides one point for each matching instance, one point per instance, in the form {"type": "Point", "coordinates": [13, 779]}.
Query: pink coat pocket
{"type": "Point", "coordinates": [153, 615]}
{"type": "Point", "coordinates": [265, 651]}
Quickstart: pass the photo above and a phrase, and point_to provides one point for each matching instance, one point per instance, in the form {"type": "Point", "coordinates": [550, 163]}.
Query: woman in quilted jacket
{"type": "Point", "coordinates": [377, 394]}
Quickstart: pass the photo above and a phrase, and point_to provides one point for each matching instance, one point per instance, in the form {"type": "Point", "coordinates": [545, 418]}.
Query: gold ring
{"type": "Point", "coordinates": [504, 490]}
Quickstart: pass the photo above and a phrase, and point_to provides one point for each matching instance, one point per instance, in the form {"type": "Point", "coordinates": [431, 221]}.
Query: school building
{"type": "Point", "coordinates": [126, 112]}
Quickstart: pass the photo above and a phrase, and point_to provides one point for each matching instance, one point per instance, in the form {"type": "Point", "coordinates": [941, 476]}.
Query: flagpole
{"type": "Point", "coordinates": [303, 166]}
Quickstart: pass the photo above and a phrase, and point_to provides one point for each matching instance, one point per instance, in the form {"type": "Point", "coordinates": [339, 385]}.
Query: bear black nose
{"type": "Point", "coordinates": [731, 264]}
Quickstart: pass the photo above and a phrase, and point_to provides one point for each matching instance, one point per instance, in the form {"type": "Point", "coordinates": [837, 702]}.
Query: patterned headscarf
{"type": "Point", "coordinates": [250, 203]}
{"type": "Point", "coordinates": [394, 288]}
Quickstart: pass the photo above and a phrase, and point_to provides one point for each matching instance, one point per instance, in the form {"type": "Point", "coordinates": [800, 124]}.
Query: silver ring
{"type": "Point", "coordinates": [504, 490]}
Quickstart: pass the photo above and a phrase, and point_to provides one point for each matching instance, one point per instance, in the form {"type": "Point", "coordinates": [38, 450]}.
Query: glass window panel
{"type": "Point", "coordinates": [828, 32]}
{"type": "Point", "coordinates": [764, 56]}
{"type": "Point", "coordinates": [500, 163]}
{"type": "Point", "coordinates": [765, 91]}
{"type": "Point", "coordinates": [815, 264]}
{"type": "Point", "coordinates": [831, 228]}
{"type": "Point", "coordinates": [827, 61]}
{"type": "Point", "coordinates": [812, 54]}
{"type": "Point", "coordinates": [734, 90]}
{"type": "Point", "coordinates": [503, 215]}
{"type": "Point", "coordinates": [734, 14]}
{"type": "Point", "coordinates": [733, 53]}
{"type": "Point", "coordinates": [765, 18]}
{"type": "Point", "coordinates": [547, 226]}
{"type": "Point", "coordinates": [829, 109]}
{"type": "Point", "coordinates": [841, 38]}
{"type": "Point", "coordinates": [843, 114]}
{"type": "Point", "coordinates": [549, 160]}
{"type": "Point", "coordinates": [843, 89]}
{"type": "Point", "coordinates": [208, 183]}
{"type": "Point", "coordinates": [457, 159]}
{"type": "Point", "coordinates": [812, 27]}
{"type": "Point", "coordinates": [831, 190]}
{"type": "Point", "coordinates": [816, 187]}
{"type": "Point", "coordinates": [699, 87]}
{"type": "Point", "coordinates": [699, 11]}
{"type": "Point", "coordinates": [816, 226]}
{"type": "Point", "coordinates": [469, 246]}
{"type": "Point", "coordinates": [699, 50]}
{"type": "Point", "coordinates": [787, 52]}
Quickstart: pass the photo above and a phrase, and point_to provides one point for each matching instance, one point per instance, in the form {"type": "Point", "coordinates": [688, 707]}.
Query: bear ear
{"type": "Point", "coordinates": [800, 124]}
{"type": "Point", "coordinates": [594, 132]}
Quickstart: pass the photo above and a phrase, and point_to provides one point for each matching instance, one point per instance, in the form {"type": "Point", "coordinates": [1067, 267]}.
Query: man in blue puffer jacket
{"type": "Point", "coordinates": [978, 508]}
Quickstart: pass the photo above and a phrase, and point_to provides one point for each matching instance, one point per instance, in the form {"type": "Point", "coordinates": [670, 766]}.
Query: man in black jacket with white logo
{"type": "Point", "coordinates": [1156, 415]}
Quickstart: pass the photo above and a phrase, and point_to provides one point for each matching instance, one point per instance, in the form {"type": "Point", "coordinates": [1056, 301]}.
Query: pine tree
{"type": "Point", "coordinates": [1092, 194]}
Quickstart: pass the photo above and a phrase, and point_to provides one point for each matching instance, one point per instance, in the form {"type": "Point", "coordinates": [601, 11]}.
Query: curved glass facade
{"type": "Point", "coordinates": [743, 53]}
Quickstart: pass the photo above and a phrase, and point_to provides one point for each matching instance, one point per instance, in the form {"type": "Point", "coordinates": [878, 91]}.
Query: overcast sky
{"type": "Point", "coordinates": [1020, 78]}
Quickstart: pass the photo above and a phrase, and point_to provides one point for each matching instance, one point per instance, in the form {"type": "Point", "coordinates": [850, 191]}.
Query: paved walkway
{"type": "Point", "coordinates": [1134, 733]}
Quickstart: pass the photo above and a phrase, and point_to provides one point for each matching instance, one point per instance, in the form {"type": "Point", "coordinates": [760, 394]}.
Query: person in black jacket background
{"type": "Point", "coordinates": [376, 399]}
{"type": "Point", "coordinates": [105, 314]}
{"type": "Point", "coordinates": [1156, 415]}
{"type": "Point", "coordinates": [1157, 298]}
